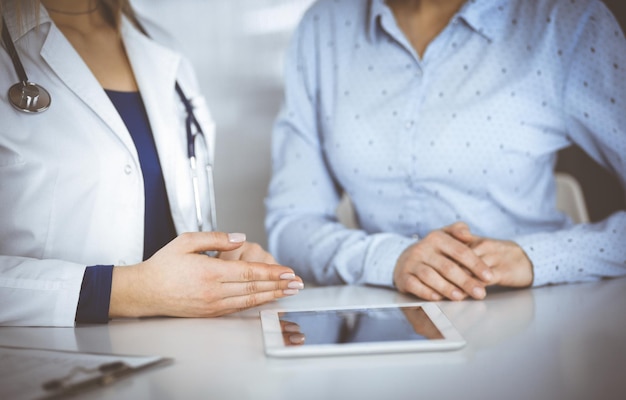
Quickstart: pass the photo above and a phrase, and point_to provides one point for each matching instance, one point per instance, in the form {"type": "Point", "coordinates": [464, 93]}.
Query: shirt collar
{"type": "Point", "coordinates": [376, 9]}
{"type": "Point", "coordinates": [486, 17]}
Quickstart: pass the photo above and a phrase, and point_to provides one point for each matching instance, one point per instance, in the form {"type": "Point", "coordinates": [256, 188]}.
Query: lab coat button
{"type": "Point", "coordinates": [128, 169]}
{"type": "Point", "coordinates": [121, 262]}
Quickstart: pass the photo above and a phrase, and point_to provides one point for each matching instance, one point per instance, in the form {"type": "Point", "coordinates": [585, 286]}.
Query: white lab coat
{"type": "Point", "coordinates": [71, 188]}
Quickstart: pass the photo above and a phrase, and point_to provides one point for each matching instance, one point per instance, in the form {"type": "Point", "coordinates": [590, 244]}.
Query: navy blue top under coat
{"type": "Point", "coordinates": [158, 223]}
{"type": "Point", "coordinates": [95, 294]}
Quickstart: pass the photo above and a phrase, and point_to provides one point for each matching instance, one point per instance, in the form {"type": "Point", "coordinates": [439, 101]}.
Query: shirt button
{"type": "Point", "coordinates": [128, 169]}
{"type": "Point", "coordinates": [409, 124]}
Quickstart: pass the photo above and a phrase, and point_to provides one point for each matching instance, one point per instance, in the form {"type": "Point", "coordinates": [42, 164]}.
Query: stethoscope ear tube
{"type": "Point", "coordinates": [191, 125]}
{"type": "Point", "coordinates": [24, 96]}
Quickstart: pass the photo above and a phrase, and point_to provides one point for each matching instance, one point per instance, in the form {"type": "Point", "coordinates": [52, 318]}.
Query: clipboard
{"type": "Point", "coordinates": [29, 373]}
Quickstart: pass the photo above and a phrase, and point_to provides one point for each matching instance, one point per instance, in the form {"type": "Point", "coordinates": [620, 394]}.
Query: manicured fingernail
{"type": "Point", "coordinates": [291, 329]}
{"type": "Point", "coordinates": [236, 237]}
{"type": "Point", "coordinates": [457, 295]}
{"type": "Point", "coordinates": [287, 275]}
{"type": "Point", "coordinates": [435, 297]}
{"type": "Point", "coordinates": [297, 338]}
{"type": "Point", "coordinates": [290, 292]}
{"type": "Point", "coordinates": [479, 292]}
{"type": "Point", "coordinates": [295, 285]}
{"type": "Point", "coordinates": [488, 275]}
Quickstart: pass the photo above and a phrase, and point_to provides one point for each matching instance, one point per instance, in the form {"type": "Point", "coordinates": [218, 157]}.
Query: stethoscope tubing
{"type": "Point", "coordinates": [15, 58]}
{"type": "Point", "coordinates": [24, 96]}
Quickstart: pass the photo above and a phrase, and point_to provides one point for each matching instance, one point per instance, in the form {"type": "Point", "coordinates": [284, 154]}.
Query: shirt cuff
{"type": "Point", "coordinates": [551, 264]}
{"type": "Point", "coordinates": [382, 260]}
{"type": "Point", "coordinates": [95, 295]}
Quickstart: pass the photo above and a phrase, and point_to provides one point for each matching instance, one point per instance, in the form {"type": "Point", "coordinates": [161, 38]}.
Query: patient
{"type": "Point", "coordinates": [442, 121]}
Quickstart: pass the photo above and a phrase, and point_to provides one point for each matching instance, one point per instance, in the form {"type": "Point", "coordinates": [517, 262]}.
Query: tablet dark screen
{"type": "Point", "coordinates": [357, 326]}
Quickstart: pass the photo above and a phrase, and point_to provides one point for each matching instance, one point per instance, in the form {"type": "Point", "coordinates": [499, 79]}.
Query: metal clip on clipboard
{"type": "Point", "coordinates": [103, 375]}
{"type": "Point", "coordinates": [28, 373]}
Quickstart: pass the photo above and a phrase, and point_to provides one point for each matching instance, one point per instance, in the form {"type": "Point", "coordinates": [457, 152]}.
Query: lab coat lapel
{"type": "Point", "coordinates": [72, 70]}
{"type": "Point", "coordinates": [156, 68]}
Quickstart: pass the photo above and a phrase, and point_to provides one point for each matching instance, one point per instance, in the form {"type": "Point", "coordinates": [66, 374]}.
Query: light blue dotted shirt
{"type": "Point", "coordinates": [467, 133]}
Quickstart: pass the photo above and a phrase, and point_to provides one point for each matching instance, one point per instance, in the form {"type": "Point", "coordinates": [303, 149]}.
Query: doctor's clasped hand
{"type": "Point", "coordinates": [180, 280]}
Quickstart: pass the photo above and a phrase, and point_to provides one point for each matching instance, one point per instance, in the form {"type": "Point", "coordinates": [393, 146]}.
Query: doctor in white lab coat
{"type": "Point", "coordinates": [71, 187]}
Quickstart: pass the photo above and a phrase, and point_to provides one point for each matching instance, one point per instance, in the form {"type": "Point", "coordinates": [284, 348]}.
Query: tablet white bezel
{"type": "Point", "coordinates": [275, 346]}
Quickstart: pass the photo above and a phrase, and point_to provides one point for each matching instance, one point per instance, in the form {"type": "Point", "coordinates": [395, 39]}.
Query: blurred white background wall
{"type": "Point", "coordinates": [237, 48]}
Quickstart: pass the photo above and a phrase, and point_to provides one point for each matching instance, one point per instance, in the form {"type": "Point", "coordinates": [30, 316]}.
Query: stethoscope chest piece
{"type": "Point", "coordinates": [29, 97]}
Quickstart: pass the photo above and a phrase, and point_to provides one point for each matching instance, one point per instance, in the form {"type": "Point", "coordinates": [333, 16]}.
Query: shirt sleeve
{"type": "Point", "coordinates": [95, 295]}
{"type": "Point", "coordinates": [303, 231]}
{"type": "Point", "coordinates": [594, 105]}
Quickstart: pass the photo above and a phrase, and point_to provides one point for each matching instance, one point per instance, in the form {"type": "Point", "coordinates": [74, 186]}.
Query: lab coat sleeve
{"type": "Point", "coordinates": [39, 292]}
{"type": "Point", "coordinates": [594, 98]}
{"type": "Point", "coordinates": [303, 231]}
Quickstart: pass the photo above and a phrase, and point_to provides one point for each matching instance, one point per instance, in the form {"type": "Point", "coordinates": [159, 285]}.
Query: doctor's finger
{"type": "Point", "coordinates": [199, 242]}
{"type": "Point", "coordinates": [288, 287]}
{"type": "Point", "coordinates": [240, 303]}
{"type": "Point", "coordinates": [254, 252]}
{"type": "Point", "coordinates": [243, 271]}
{"type": "Point", "coordinates": [249, 252]}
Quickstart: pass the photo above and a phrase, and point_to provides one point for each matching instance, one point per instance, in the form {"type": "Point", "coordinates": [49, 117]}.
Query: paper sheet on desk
{"type": "Point", "coordinates": [38, 373]}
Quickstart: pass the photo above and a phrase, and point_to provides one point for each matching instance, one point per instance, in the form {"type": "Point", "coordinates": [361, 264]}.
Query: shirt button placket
{"type": "Point", "coordinates": [412, 127]}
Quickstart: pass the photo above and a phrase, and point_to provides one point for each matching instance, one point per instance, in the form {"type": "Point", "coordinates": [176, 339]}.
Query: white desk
{"type": "Point", "coordinates": [563, 342]}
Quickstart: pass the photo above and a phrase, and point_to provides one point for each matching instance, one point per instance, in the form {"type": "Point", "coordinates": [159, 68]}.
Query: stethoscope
{"type": "Point", "coordinates": [195, 133]}
{"type": "Point", "coordinates": [24, 96]}
{"type": "Point", "coordinates": [30, 97]}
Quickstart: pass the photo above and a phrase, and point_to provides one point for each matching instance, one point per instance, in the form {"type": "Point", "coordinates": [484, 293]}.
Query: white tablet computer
{"type": "Point", "coordinates": [358, 330]}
